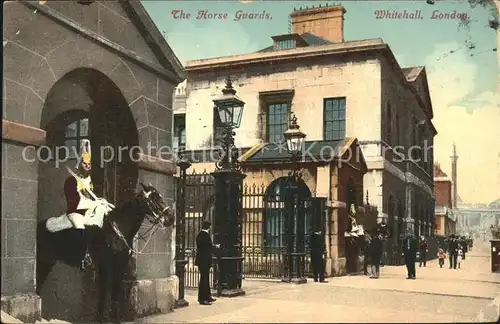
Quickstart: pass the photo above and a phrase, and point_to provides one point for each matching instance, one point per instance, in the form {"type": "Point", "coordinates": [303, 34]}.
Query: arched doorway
{"type": "Point", "coordinates": [276, 222]}
{"type": "Point", "coordinates": [84, 103]}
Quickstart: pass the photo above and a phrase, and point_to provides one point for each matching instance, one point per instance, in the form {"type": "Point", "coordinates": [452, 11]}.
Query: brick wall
{"type": "Point", "coordinates": [326, 22]}
{"type": "Point", "coordinates": [443, 191]}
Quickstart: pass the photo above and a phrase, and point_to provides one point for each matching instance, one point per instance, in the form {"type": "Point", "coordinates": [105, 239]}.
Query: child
{"type": "Point", "coordinates": [441, 256]}
{"type": "Point", "coordinates": [460, 256]}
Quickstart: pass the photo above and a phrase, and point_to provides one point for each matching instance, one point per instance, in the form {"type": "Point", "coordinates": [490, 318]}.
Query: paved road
{"type": "Point", "coordinates": [438, 295]}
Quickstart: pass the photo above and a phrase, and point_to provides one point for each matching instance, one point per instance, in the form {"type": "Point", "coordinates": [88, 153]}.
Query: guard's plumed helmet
{"type": "Point", "coordinates": [352, 210]}
{"type": "Point", "coordinates": [85, 156]}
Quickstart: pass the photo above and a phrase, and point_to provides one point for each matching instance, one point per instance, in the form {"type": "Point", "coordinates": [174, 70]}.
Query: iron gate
{"type": "Point", "coordinates": [199, 199]}
{"type": "Point", "coordinates": [263, 227]}
{"type": "Point", "coordinates": [264, 232]}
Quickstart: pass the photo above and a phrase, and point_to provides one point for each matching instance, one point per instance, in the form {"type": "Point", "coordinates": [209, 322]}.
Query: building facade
{"type": "Point", "coordinates": [445, 217]}
{"type": "Point", "coordinates": [337, 89]}
{"type": "Point", "coordinates": [97, 70]}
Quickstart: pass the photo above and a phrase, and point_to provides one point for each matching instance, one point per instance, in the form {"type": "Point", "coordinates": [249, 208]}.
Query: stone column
{"type": "Point", "coordinates": [154, 285]}
{"type": "Point", "coordinates": [19, 220]}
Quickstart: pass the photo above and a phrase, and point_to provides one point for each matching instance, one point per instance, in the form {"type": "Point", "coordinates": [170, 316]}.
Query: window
{"type": "Point", "coordinates": [179, 136]}
{"type": "Point", "coordinates": [389, 124]}
{"type": "Point", "coordinates": [218, 128]}
{"type": "Point", "coordinates": [278, 115]}
{"type": "Point", "coordinates": [396, 130]}
{"type": "Point", "coordinates": [285, 44]}
{"type": "Point", "coordinates": [74, 134]}
{"type": "Point", "coordinates": [416, 142]}
{"type": "Point", "coordinates": [334, 119]}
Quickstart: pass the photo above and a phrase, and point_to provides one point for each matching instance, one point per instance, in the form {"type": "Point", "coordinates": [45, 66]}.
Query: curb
{"type": "Point", "coordinates": [491, 313]}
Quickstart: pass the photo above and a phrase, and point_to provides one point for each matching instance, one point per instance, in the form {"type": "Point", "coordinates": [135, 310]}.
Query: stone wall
{"type": "Point", "coordinates": [19, 219]}
{"type": "Point", "coordinates": [43, 45]}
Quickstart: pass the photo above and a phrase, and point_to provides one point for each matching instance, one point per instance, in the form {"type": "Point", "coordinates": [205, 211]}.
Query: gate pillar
{"type": "Point", "coordinates": [180, 241]}
{"type": "Point", "coordinates": [228, 231]}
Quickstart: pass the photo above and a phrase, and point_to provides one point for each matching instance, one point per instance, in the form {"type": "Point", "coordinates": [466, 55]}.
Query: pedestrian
{"type": "Point", "coordinates": [375, 253]}
{"type": "Point", "coordinates": [465, 248]}
{"type": "Point", "coordinates": [441, 256]}
{"type": "Point", "coordinates": [423, 251]}
{"type": "Point", "coordinates": [317, 244]}
{"type": "Point", "coordinates": [453, 251]}
{"type": "Point", "coordinates": [410, 255]}
{"type": "Point", "coordinates": [366, 253]}
{"type": "Point", "coordinates": [384, 234]}
{"type": "Point", "coordinates": [203, 260]}
{"type": "Point", "coordinates": [460, 256]}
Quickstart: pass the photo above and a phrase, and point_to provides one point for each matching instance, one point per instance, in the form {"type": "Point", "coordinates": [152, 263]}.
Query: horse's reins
{"type": "Point", "coordinates": [122, 237]}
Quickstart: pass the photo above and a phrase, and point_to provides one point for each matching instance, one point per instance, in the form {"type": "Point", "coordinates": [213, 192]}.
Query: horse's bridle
{"type": "Point", "coordinates": [157, 220]}
{"type": "Point", "coordinates": [154, 207]}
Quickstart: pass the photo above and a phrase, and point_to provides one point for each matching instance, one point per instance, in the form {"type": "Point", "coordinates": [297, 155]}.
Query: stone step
{"type": "Point", "coordinates": [6, 318]}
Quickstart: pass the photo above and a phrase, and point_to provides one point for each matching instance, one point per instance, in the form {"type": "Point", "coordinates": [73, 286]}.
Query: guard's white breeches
{"type": "Point", "coordinates": [78, 220]}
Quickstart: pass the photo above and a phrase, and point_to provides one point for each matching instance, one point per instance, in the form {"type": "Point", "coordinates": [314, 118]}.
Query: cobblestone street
{"type": "Point", "coordinates": [438, 295]}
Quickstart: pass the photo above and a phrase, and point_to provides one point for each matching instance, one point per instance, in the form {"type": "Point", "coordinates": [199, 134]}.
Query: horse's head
{"type": "Point", "coordinates": [157, 211]}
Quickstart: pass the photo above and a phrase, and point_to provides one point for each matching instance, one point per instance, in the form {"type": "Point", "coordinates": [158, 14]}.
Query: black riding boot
{"type": "Point", "coordinates": [85, 258]}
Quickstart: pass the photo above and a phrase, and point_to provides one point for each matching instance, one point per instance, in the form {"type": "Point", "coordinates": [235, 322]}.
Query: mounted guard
{"type": "Point", "coordinates": [84, 208]}
{"type": "Point", "coordinates": [353, 229]}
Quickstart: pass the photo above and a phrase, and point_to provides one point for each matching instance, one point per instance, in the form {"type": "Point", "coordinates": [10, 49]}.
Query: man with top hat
{"type": "Point", "coordinates": [83, 206]}
{"type": "Point", "coordinates": [203, 260]}
{"type": "Point", "coordinates": [317, 254]}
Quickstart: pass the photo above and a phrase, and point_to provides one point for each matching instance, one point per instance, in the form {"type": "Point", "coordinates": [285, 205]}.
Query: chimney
{"type": "Point", "coordinates": [325, 22]}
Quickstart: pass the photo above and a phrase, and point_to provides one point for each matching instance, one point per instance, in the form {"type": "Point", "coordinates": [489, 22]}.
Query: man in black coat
{"type": "Point", "coordinates": [204, 251]}
{"type": "Point", "coordinates": [453, 251]}
{"type": "Point", "coordinates": [410, 248]}
{"type": "Point", "coordinates": [375, 253]}
{"type": "Point", "coordinates": [366, 252]}
{"type": "Point", "coordinates": [317, 245]}
{"type": "Point", "coordinates": [463, 242]}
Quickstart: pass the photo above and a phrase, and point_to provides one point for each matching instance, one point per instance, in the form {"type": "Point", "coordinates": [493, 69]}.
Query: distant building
{"type": "Point", "coordinates": [445, 219]}
{"type": "Point", "coordinates": [338, 90]}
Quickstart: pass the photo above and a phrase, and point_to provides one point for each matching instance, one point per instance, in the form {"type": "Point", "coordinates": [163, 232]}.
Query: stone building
{"type": "Point", "coordinates": [337, 89]}
{"type": "Point", "coordinates": [74, 70]}
{"type": "Point", "coordinates": [445, 219]}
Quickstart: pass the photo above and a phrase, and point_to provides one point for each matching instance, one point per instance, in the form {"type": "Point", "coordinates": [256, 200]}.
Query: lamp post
{"type": "Point", "coordinates": [294, 221]}
{"type": "Point", "coordinates": [228, 197]}
{"type": "Point", "coordinates": [180, 242]}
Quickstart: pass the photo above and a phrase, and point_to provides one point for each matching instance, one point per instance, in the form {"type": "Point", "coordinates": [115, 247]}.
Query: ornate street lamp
{"type": "Point", "coordinates": [295, 139]}
{"type": "Point", "coordinates": [294, 222]}
{"type": "Point", "coordinates": [180, 242]}
{"type": "Point", "coordinates": [230, 109]}
{"type": "Point", "coordinates": [228, 197]}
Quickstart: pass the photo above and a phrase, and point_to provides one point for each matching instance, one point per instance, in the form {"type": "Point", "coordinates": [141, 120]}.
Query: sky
{"type": "Point", "coordinates": [464, 84]}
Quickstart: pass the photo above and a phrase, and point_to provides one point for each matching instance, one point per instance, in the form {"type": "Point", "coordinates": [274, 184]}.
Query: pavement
{"type": "Point", "coordinates": [438, 295]}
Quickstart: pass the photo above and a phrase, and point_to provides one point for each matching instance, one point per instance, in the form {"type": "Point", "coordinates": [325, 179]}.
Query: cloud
{"type": "Point", "coordinates": [469, 118]}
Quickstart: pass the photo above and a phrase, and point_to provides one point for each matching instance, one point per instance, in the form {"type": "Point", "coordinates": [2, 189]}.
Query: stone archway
{"type": "Point", "coordinates": [83, 94]}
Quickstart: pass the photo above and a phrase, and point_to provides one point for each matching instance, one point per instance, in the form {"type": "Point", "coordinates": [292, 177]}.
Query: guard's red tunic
{"type": "Point", "coordinates": [72, 195]}
{"type": "Point", "coordinates": [73, 192]}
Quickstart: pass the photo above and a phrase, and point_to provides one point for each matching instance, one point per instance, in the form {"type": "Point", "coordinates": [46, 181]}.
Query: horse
{"type": "Point", "coordinates": [110, 246]}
